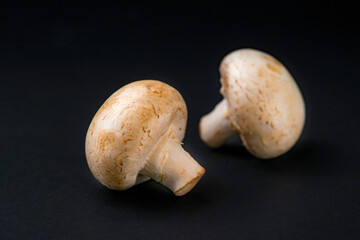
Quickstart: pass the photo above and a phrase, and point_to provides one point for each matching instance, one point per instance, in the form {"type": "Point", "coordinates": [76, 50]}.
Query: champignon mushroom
{"type": "Point", "coordinates": [262, 103]}
{"type": "Point", "coordinates": [136, 135]}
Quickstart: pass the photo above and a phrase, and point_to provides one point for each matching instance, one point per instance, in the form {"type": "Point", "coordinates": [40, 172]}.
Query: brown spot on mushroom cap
{"type": "Point", "coordinates": [273, 68]}
{"type": "Point", "coordinates": [106, 140]}
{"type": "Point", "coordinates": [260, 74]}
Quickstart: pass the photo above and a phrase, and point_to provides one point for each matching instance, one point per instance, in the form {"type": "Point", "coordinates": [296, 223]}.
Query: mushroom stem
{"type": "Point", "coordinates": [215, 127]}
{"type": "Point", "coordinates": [174, 168]}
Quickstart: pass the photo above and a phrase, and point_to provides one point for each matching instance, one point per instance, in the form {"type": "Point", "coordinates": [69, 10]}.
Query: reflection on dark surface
{"type": "Point", "coordinates": [154, 195]}
{"type": "Point", "coordinates": [302, 157]}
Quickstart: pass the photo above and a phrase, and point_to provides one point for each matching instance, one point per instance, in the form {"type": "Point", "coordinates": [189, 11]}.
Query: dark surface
{"type": "Point", "coordinates": [59, 63]}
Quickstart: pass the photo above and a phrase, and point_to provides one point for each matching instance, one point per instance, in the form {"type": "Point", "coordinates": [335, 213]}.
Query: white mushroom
{"type": "Point", "coordinates": [261, 102]}
{"type": "Point", "coordinates": [136, 135]}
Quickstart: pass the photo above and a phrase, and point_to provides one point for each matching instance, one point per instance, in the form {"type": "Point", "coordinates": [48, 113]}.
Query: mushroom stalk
{"type": "Point", "coordinates": [215, 127]}
{"type": "Point", "coordinates": [173, 167]}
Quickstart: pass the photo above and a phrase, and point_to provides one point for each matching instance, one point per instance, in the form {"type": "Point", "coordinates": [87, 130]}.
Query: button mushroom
{"type": "Point", "coordinates": [262, 103]}
{"type": "Point", "coordinates": [136, 135]}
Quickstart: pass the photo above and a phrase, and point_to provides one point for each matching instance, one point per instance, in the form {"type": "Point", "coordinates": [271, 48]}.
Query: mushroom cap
{"type": "Point", "coordinates": [127, 127]}
{"type": "Point", "coordinates": [265, 105]}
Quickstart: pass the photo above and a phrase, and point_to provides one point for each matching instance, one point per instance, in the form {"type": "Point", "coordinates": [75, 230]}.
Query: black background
{"type": "Point", "coordinates": [60, 61]}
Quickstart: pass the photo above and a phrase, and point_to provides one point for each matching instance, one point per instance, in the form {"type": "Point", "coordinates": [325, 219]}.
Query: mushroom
{"type": "Point", "coordinates": [262, 103]}
{"type": "Point", "coordinates": [136, 135]}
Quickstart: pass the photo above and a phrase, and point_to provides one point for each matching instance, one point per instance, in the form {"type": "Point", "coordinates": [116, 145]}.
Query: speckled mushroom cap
{"type": "Point", "coordinates": [127, 127]}
{"type": "Point", "coordinates": [264, 103]}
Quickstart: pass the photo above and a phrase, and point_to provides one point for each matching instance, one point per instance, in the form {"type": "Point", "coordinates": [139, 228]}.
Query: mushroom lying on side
{"type": "Point", "coordinates": [136, 135]}
{"type": "Point", "coordinates": [261, 102]}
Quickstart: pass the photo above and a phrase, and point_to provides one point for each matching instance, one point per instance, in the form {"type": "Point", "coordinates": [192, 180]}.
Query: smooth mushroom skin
{"type": "Point", "coordinates": [262, 103]}
{"type": "Point", "coordinates": [136, 135]}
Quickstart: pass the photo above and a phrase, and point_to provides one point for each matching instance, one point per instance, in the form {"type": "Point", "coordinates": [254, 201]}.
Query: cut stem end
{"type": "Point", "coordinates": [173, 167]}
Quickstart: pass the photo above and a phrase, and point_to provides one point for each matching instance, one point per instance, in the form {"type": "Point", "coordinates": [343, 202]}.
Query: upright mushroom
{"type": "Point", "coordinates": [136, 135]}
{"type": "Point", "coordinates": [262, 103]}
